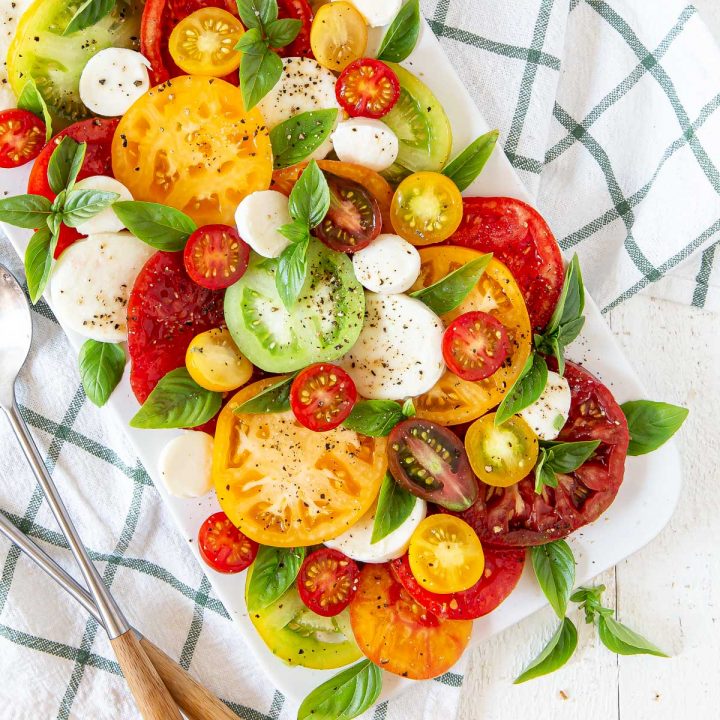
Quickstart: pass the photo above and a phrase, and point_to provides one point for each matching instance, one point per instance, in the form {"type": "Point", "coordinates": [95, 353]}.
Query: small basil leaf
{"type": "Point", "coordinates": [38, 261]}
{"type": "Point", "coordinates": [544, 476]}
{"type": "Point", "coordinates": [177, 402]}
{"type": "Point", "coordinates": [569, 331]}
{"type": "Point", "coordinates": [251, 42]}
{"type": "Point", "coordinates": [554, 567]}
{"type": "Point", "coordinates": [468, 165]}
{"type": "Point", "coordinates": [448, 293]}
{"type": "Point", "coordinates": [571, 304]}
{"type": "Point", "coordinates": [555, 654]}
{"type": "Point", "coordinates": [90, 12]}
{"type": "Point", "coordinates": [257, 13]}
{"type": "Point", "coordinates": [345, 696]}
{"type": "Point", "coordinates": [374, 418]}
{"type": "Point", "coordinates": [526, 389]}
{"type": "Point", "coordinates": [160, 226]}
{"type": "Point", "coordinates": [273, 572]}
{"type": "Point", "coordinates": [101, 368]}
{"type": "Point", "coordinates": [299, 136]}
{"type": "Point", "coordinates": [31, 99]}
{"type": "Point", "coordinates": [589, 599]}
{"type": "Point", "coordinates": [81, 205]}
{"type": "Point", "coordinates": [274, 399]}
{"type": "Point", "coordinates": [408, 408]}
{"type": "Point", "coordinates": [394, 507]}
{"type": "Point", "coordinates": [651, 424]}
{"type": "Point", "coordinates": [260, 70]}
{"type": "Point", "coordinates": [292, 271]}
{"type": "Point", "coordinates": [402, 35]}
{"type": "Point", "coordinates": [295, 232]}
{"type": "Point", "coordinates": [65, 164]}
{"type": "Point", "coordinates": [282, 32]}
{"type": "Point", "coordinates": [25, 211]}
{"type": "Point", "coordinates": [53, 222]}
{"type": "Point", "coordinates": [620, 639]}
{"type": "Point", "coordinates": [310, 198]}
{"type": "Point", "coordinates": [566, 457]}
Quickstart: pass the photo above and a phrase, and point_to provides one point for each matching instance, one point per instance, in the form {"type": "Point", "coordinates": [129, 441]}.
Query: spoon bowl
{"type": "Point", "coordinates": [15, 334]}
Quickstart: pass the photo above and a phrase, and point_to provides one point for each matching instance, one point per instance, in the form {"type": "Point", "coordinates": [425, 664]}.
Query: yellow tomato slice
{"type": "Point", "coordinates": [215, 363]}
{"type": "Point", "coordinates": [338, 35]}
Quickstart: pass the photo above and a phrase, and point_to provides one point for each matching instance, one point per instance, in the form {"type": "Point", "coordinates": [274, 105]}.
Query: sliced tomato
{"type": "Point", "coordinates": [518, 236]}
{"type": "Point", "coordinates": [475, 345]}
{"type": "Point", "coordinates": [215, 257]}
{"type": "Point", "coordinates": [516, 516]}
{"type": "Point", "coordinates": [327, 581]}
{"type": "Point", "coordinates": [223, 547]}
{"type": "Point", "coordinates": [503, 568]}
{"type": "Point", "coordinates": [22, 136]}
{"type": "Point", "coordinates": [297, 10]}
{"type": "Point", "coordinates": [215, 363]}
{"type": "Point", "coordinates": [322, 396]}
{"type": "Point", "coordinates": [367, 88]}
{"type": "Point", "coordinates": [338, 36]}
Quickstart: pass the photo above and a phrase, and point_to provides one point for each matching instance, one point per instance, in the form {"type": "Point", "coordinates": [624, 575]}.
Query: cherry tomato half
{"type": "Point", "coordinates": [338, 36]}
{"type": "Point", "coordinates": [22, 136]}
{"type": "Point", "coordinates": [327, 581]}
{"type": "Point", "coordinates": [223, 547]}
{"type": "Point", "coordinates": [215, 363]}
{"type": "Point", "coordinates": [475, 345]}
{"type": "Point", "coordinates": [215, 257]}
{"type": "Point", "coordinates": [367, 88]}
{"type": "Point", "coordinates": [322, 396]}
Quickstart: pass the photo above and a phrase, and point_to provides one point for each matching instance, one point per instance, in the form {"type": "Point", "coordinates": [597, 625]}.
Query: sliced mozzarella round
{"type": "Point", "coordinates": [106, 221]}
{"type": "Point", "coordinates": [377, 12]}
{"type": "Point", "coordinates": [258, 218]}
{"type": "Point", "coordinates": [356, 542]}
{"type": "Point", "coordinates": [547, 415]}
{"type": "Point", "coordinates": [185, 464]}
{"type": "Point", "coordinates": [91, 283]}
{"type": "Point", "coordinates": [388, 265]}
{"type": "Point", "coordinates": [399, 351]}
{"type": "Point", "coordinates": [367, 142]}
{"type": "Point", "coordinates": [112, 80]}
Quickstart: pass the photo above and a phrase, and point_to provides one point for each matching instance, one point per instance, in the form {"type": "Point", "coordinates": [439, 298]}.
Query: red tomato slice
{"type": "Point", "coordinates": [503, 569]}
{"type": "Point", "coordinates": [215, 257]}
{"type": "Point", "coordinates": [322, 396]}
{"type": "Point", "coordinates": [22, 136]}
{"type": "Point", "coordinates": [327, 581]}
{"type": "Point", "coordinates": [519, 237]}
{"type": "Point", "coordinates": [367, 88]}
{"type": "Point", "coordinates": [223, 547]}
{"type": "Point", "coordinates": [297, 10]}
{"type": "Point", "coordinates": [165, 311]}
{"type": "Point", "coordinates": [475, 345]}
{"type": "Point", "coordinates": [98, 134]}
{"type": "Point", "coordinates": [516, 516]}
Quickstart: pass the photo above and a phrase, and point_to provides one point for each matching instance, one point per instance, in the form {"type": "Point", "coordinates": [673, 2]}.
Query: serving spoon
{"type": "Point", "coordinates": [151, 695]}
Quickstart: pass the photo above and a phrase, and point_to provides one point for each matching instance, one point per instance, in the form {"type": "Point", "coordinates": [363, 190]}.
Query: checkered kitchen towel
{"type": "Point", "coordinates": [609, 111]}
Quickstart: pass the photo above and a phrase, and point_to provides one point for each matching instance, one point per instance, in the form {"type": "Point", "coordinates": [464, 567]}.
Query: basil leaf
{"type": "Point", "coordinates": [159, 226]}
{"type": "Point", "coordinates": [620, 639]}
{"type": "Point", "coordinates": [468, 165]}
{"type": "Point", "coordinates": [571, 304]}
{"type": "Point", "coordinates": [651, 424]}
{"type": "Point", "coordinates": [448, 293]}
{"type": "Point", "coordinates": [408, 408]}
{"type": "Point", "coordinates": [526, 389]}
{"type": "Point", "coordinates": [257, 13]}
{"type": "Point", "coordinates": [394, 506]}
{"type": "Point", "coordinates": [65, 164]}
{"type": "Point", "coordinates": [570, 330]}
{"type": "Point", "coordinates": [589, 600]}
{"type": "Point", "coordinates": [177, 402]}
{"type": "Point", "coordinates": [299, 136]}
{"type": "Point", "coordinates": [53, 222]}
{"type": "Point", "coordinates": [31, 99]}
{"type": "Point", "coordinates": [554, 567]}
{"type": "Point", "coordinates": [544, 476]}
{"type": "Point", "coordinates": [282, 32]}
{"type": "Point", "coordinates": [260, 70]}
{"type": "Point", "coordinates": [80, 205]}
{"type": "Point", "coordinates": [374, 418]}
{"type": "Point", "coordinates": [402, 35]}
{"type": "Point", "coordinates": [345, 696]}
{"type": "Point", "coordinates": [101, 369]}
{"type": "Point", "coordinates": [25, 211]}
{"type": "Point", "coordinates": [291, 271]}
{"type": "Point", "coordinates": [90, 12]}
{"type": "Point", "coordinates": [295, 232]}
{"type": "Point", "coordinates": [310, 198]}
{"type": "Point", "coordinates": [274, 399]}
{"type": "Point", "coordinates": [251, 41]}
{"type": "Point", "coordinates": [38, 261]}
{"type": "Point", "coordinates": [273, 572]}
{"type": "Point", "coordinates": [555, 654]}
{"type": "Point", "coordinates": [565, 457]}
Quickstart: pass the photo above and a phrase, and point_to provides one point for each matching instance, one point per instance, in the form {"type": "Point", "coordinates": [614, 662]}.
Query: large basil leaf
{"type": "Point", "coordinates": [274, 399]}
{"type": "Point", "coordinates": [620, 639]}
{"type": "Point", "coordinates": [402, 35]}
{"type": "Point", "coordinates": [651, 424]}
{"type": "Point", "coordinates": [25, 211]}
{"type": "Point", "coordinates": [554, 655]}
{"type": "Point", "coordinates": [393, 508]}
{"type": "Point", "coordinates": [554, 567]}
{"type": "Point", "coordinates": [526, 389]}
{"type": "Point", "coordinates": [38, 261]}
{"type": "Point", "coordinates": [468, 165]}
{"type": "Point", "coordinates": [160, 226]}
{"type": "Point", "coordinates": [299, 136]}
{"type": "Point", "coordinates": [101, 368]}
{"type": "Point", "coordinates": [374, 418]}
{"type": "Point", "coordinates": [273, 572]}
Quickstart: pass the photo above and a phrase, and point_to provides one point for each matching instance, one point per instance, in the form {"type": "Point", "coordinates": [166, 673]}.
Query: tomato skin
{"type": "Point", "coordinates": [297, 10]}
{"type": "Point", "coordinates": [367, 88]}
{"type": "Point", "coordinates": [215, 257]}
{"type": "Point", "coordinates": [475, 345]}
{"type": "Point", "coordinates": [322, 396]}
{"type": "Point", "coordinates": [22, 136]}
{"type": "Point", "coordinates": [223, 547]}
{"type": "Point", "coordinates": [327, 581]}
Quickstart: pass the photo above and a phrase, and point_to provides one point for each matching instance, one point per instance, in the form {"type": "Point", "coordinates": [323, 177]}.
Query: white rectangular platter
{"type": "Point", "coordinates": [642, 508]}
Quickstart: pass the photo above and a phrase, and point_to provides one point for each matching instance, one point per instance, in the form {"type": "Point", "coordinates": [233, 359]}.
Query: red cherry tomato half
{"type": "Point", "coordinates": [327, 581]}
{"type": "Point", "coordinates": [322, 396]}
{"type": "Point", "coordinates": [215, 257]}
{"type": "Point", "coordinates": [367, 88]}
{"type": "Point", "coordinates": [22, 136]}
{"type": "Point", "coordinates": [223, 547]}
{"type": "Point", "coordinates": [475, 345]}
{"type": "Point", "coordinates": [297, 10]}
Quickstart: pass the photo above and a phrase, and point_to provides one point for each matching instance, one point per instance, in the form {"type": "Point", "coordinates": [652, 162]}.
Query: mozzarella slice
{"type": "Point", "coordinates": [112, 80]}
{"type": "Point", "coordinates": [399, 351]}
{"type": "Point", "coordinates": [91, 283]}
{"type": "Point", "coordinates": [356, 542]}
{"type": "Point", "coordinates": [377, 12]}
{"type": "Point", "coordinates": [258, 218]}
{"type": "Point", "coordinates": [185, 464]}
{"type": "Point", "coordinates": [547, 415]}
{"type": "Point", "coordinates": [367, 142]}
{"type": "Point", "coordinates": [388, 265]}
{"type": "Point", "coordinates": [105, 221]}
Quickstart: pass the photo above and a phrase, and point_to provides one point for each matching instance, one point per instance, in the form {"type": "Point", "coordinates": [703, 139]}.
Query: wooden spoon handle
{"type": "Point", "coordinates": [151, 696]}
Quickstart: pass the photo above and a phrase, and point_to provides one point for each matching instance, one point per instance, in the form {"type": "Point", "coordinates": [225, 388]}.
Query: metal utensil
{"type": "Point", "coordinates": [151, 696]}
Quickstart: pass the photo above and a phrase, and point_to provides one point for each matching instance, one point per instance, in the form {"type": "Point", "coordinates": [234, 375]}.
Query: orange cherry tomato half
{"type": "Point", "coordinates": [322, 396]}
{"type": "Point", "coordinates": [367, 88]}
{"type": "Point", "coordinates": [215, 257]}
{"type": "Point", "coordinates": [475, 345]}
{"type": "Point", "coordinates": [327, 581]}
{"type": "Point", "coordinates": [223, 547]}
{"type": "Point", "coordinates": [22, 137]}
{"type": "Point", "coordinates": [338, 36]}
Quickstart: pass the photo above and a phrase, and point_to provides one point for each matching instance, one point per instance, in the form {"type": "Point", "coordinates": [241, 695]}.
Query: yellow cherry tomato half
{"type": "Point", "coordinates": [338, 35]}
{"type": "Point", "coordinates": [203, 42]}
{"type": "Point", "coordinates": [427, 208]}
{"type": "Point", "coordinates": [503, 455]}
{"type": "Point", "coordinates": [445, 554]}
{"type": "Point", "coordinates": [215, 363]}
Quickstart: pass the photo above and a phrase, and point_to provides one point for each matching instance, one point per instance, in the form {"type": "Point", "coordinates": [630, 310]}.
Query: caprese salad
{"type": "Point", "coordinates": [265, 212]}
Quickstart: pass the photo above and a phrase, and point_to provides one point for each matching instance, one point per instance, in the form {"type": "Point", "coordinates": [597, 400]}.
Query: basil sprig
{"type": "Point", "coordinates": [31, 100]}
{"type": "Point", "coordinates": [562, 458]}
{"type": "Point", "coordinates": [525, 390]}
{"type": "Point", "coordinates": [651, 424]}
{"type": "Point", "coordinates": [160, 226]}
{"type": "Point", "coordinates": [468, 165]}
{"type": "Point", "coordinates": [300, 136]}
{"type": "Point", "coordinates": [274, 399]}
{"type": "Point", "coordinates": [101, 368]}
{"type": "Point", "coordinates": [554, 567]}
{"type": "Point", "coordinates": [394, 506]}
{"type": "Point", "coordinates": [402, 35]}
{"type": "Point", "coordinates": [89, 13]}
{"type": "Point", "coordinates": [273, 572]}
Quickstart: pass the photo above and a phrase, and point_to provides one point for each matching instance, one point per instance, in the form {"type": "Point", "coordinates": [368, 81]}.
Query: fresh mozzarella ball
{"type": "Point", "coordinates": [547, 415]}
{"type": "Point", "coordinates": [399, 351]}
{"type": "Point", "coordinates": [367, 142]}
{"type": "Point", "coordinates": [258, 218]}
{"type": "Point", "coordinates": [377, 12]}
{"type": "Point", "coordinates": [388, 265]}
{"type": "Point", "coordinates": [105, 221]}
{"type": "Point", "coordinates": [91, 283]}
{"type": "Point", "coordinates": [112, 80]}
{"type": "Point", "coordinates": [356, 542]}
{"type": "Point", "coordinates": [185, 464]}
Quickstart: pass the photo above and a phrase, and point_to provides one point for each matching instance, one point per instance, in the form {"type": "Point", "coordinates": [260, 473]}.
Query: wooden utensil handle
{"type": "Point", "coordinates": [196, 701]}
{"type": "Point", "coordinates": [152, 697]}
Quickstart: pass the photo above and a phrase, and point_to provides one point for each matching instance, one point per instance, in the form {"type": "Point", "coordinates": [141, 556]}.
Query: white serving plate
{"type": "Point", "coordinates": [643, 506]}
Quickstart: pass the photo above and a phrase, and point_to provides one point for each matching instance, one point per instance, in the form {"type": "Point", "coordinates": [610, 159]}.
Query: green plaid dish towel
{"type": "Point", "coordinates": [609, 112]}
